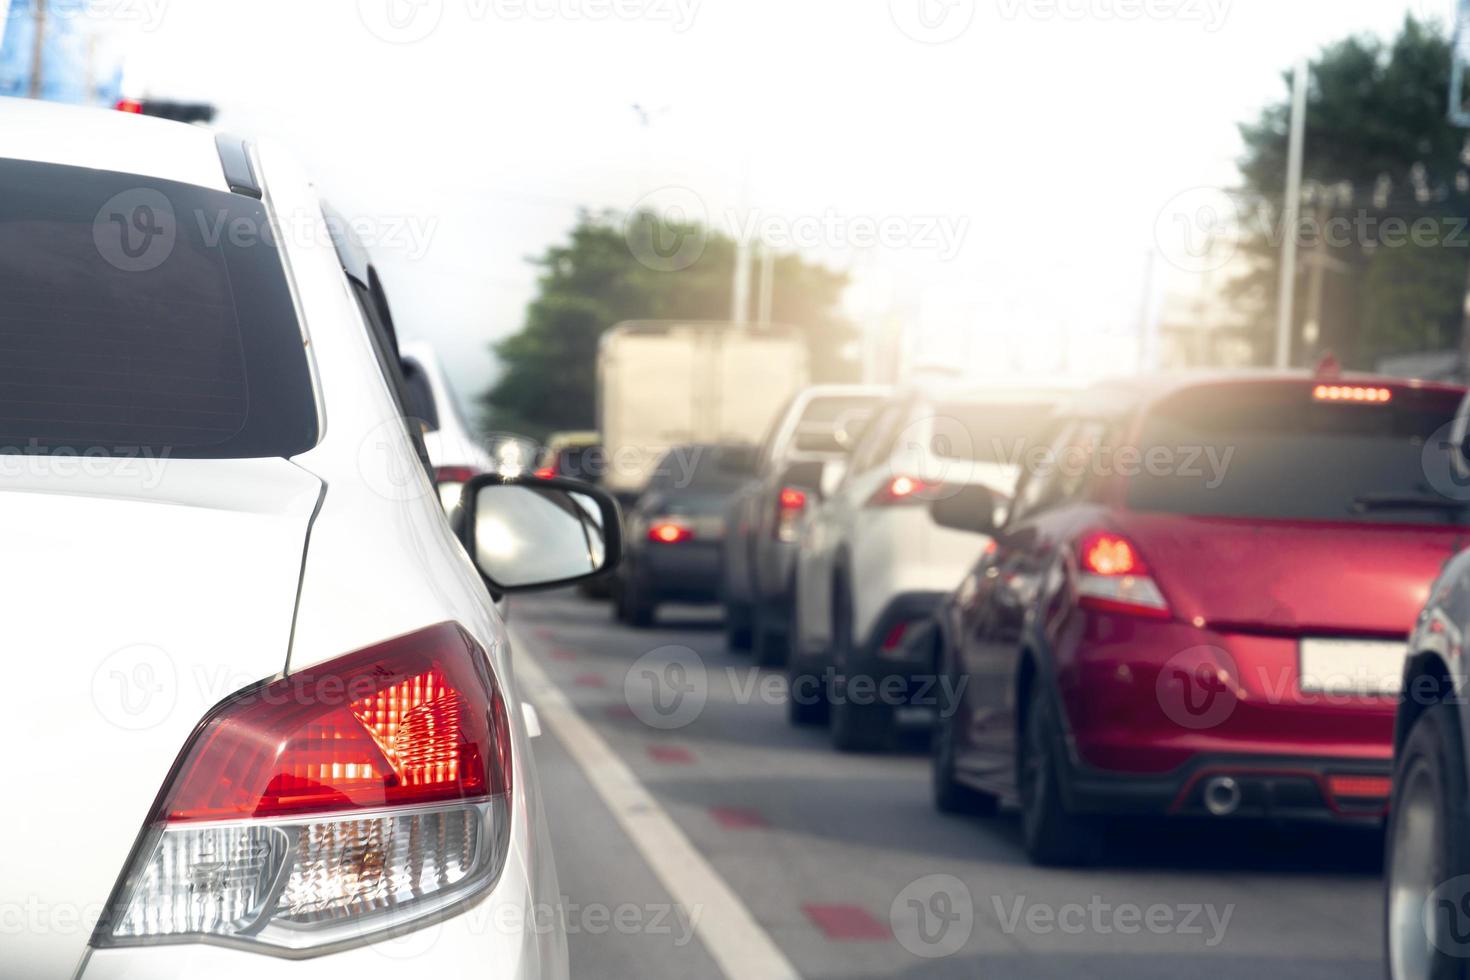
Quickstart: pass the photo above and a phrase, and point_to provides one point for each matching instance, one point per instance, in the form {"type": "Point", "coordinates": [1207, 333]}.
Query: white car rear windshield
{"type": "Point", "coordinates": [140, 315]}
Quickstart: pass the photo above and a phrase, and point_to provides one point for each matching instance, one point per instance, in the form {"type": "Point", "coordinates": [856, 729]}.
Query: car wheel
{"type": "Point", "coordinates": [806, 698]}
{"type": "Point", "coordinates": [1053, 835]}
{"type": "Point", "coordinates": [1426, 846]}
{"type": "Point", "coordinates": [638, 607]}
{"type": "Point", "coordinates": [855, 727]}
{"type": "Point", "coordinates": [737, 626]}
{"type": "Point", "coordinates": [951, 796]}
{"type": "Point", "coordinates": [771, 644]}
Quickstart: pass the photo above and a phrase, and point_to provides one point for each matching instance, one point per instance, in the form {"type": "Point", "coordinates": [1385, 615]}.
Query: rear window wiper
{"type": "Point", "coordinates": [1406, 501]}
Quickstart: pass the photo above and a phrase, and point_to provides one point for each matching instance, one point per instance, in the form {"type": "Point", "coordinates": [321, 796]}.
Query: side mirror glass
{"type": "Point", "coordinates": [970, 508]}
{"type": "Point", "coordinates": [539, 534]}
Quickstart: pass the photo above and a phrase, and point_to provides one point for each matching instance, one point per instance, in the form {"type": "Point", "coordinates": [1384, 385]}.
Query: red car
{"type": "Point", "coordinates": [1198, 604]}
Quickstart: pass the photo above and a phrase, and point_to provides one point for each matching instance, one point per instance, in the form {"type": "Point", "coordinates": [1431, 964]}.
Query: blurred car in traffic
{"type": "Point", "coordinates": [358, 767]}
{"type": "Point", "coordinates": [807, 440]}
{"type": "Point", "coordinates": [453, 451]}
{"type": "Point", "coordinates": [873, 562]}
{"type": "Point", "coordinates": [572, 456]}
{"type": "Point", "coordinates": [676, 531]}
{"type": "Point", "coordinates": [1198, 604]}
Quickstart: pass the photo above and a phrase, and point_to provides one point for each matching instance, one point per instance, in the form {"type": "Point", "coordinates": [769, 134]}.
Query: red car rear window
{"type": "Point", "coordinates": [1285, 451]}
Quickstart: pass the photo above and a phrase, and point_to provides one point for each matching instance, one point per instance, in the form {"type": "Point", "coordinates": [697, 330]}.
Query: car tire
{"type": "Point", "coordinates": [859, 727]}
{"type": "Point", "coordinates": [1053, 836]}
{"type": "Point", "coordinates": [639, 610]}
{"type": "Point", "coordinates": [1426, 846]}
{"type": "Point", "coordinates": [950, 795]}
{"type": "Point", "coordinates": [737, 626]}
{"type": "Point", "coordinates": [771, 645]}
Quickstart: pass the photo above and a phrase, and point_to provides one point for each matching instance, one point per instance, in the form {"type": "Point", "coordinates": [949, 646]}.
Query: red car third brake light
{"type": "Point", "coordinates": [410, 721]}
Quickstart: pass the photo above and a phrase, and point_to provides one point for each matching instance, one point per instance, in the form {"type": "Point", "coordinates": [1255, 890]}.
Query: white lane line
{"type": "Point", "coordinates": [735, 941]}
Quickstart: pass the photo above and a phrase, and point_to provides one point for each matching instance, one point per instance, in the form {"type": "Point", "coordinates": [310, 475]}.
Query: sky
{"type": "Point", "coordinates": [991, 172]}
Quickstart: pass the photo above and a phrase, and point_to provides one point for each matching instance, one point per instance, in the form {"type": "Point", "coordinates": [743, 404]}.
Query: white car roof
{"type": "Point", "coordinates": [103, 139]}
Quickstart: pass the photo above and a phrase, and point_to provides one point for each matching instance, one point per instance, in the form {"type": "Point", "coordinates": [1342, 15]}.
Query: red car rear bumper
{"type": "Point", "coordinates": [1156, 709]}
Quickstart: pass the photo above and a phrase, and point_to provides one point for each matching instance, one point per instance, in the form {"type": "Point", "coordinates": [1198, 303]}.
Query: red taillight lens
{"type": "Point", "coordinates": [667, 532]}
{"type": "Point", "coordinates": [546, 473]}
{"type": "Point", "coordinates": [360, 796]}
{"type": "Point", "coordinates": [1108, 554]}
{"type": "Point", "coordinates": [790, 506]}
{"type": "Point", "coordinates": [406, 722]}
{"type": "Point", "coordinates": [1113, 577]}
{"type": "Point", "coordinates": [1360, 787]}
{"type": "Point", "coordinates": [129, 105]}
{"type": "Point", "coordinates": [903, 490]}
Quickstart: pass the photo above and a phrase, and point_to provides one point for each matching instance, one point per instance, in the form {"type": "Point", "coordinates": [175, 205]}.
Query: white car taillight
{"type": "Point", "coordinates": [317, 810]}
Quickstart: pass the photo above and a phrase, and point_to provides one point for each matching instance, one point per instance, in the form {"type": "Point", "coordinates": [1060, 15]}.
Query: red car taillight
{"type": "Point", "coordinates": [903, 490]}
{"type": "Point", "coordinates": [1112, 576]}
{"type": "Point", "coordinates": [376, 786]}
{"type": "Point", "coordinates": [790, 505]}
{"type": "Point", "coordinates": [669, 532]}
{"type": "Point", "coordinates": [450, 481]}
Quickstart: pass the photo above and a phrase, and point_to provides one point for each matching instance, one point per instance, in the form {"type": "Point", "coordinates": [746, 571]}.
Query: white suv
{"type": "Point", "coordinates": [266, 713]}
{"type": "Point", "coordinates": [874, 563]}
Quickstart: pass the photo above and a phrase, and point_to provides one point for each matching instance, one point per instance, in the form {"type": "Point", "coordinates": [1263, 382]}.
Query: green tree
{"type": "Point", "coordinates": [596, 279]}
{"type": "Point", "coordinates": [1379, 147]}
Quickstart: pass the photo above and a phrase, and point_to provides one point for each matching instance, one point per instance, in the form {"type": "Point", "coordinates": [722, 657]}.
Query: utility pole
{"type": "Point", "coordinates": [38, 46]}
{"type": "Point", "coordinates": [1291, 214]}
{"type": "Point", "coordinates": [767, 286]}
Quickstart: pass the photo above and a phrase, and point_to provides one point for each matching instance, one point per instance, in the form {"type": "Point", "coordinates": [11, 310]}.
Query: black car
{"type": "Point", "coordinates": [676, 531]}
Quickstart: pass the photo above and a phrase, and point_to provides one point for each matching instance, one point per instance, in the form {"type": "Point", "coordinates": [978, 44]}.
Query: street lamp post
{"type": "Point", "coordinates": [1291, 214]}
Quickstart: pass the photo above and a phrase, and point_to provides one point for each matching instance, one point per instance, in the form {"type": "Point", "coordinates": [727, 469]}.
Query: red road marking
{"type": "Point", "coordinates": [846, 922]}
{"type": "Point", "coordinates": [737, 818]}
{"type": "Point", "coordinates": [590, 680]}
{"type": "Point", "coordinates": [670, 754]}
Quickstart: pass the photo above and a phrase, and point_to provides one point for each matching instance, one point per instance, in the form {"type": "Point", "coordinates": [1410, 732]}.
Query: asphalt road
{"type": "Point", "coordinates": [697, 834]}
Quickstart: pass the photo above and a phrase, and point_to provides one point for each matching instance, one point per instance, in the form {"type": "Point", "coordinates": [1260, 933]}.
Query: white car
{"type": "Point", "coordinates": [453, 451]}
{"type": "Point", "coordinates": [264, 710]}
{"type": "Point", "coordinates": [873, 562]}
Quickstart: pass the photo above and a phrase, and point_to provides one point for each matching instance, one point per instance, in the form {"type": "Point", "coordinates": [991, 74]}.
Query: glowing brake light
{"type": "Point", "coordinates": [667, 532]}
{"type": "Point", "coordinates": [1352, 393]}
{"type": "Point", "coordinates": [376, 785]}
{"type": "Point", "coordinates": [1113, 577]}
{"type": "Point", "coordinates": [546, 473]}
{"type": "Point", "coordinates": [129, 105]}
{"type": "Point", "coordinates": [790, 505]}
{"type": "Point", "coordinates": [903, 490]}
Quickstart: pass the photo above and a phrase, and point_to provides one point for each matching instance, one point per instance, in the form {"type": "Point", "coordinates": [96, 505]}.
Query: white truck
{"type": "Point", "coordinates": [662, 384]}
